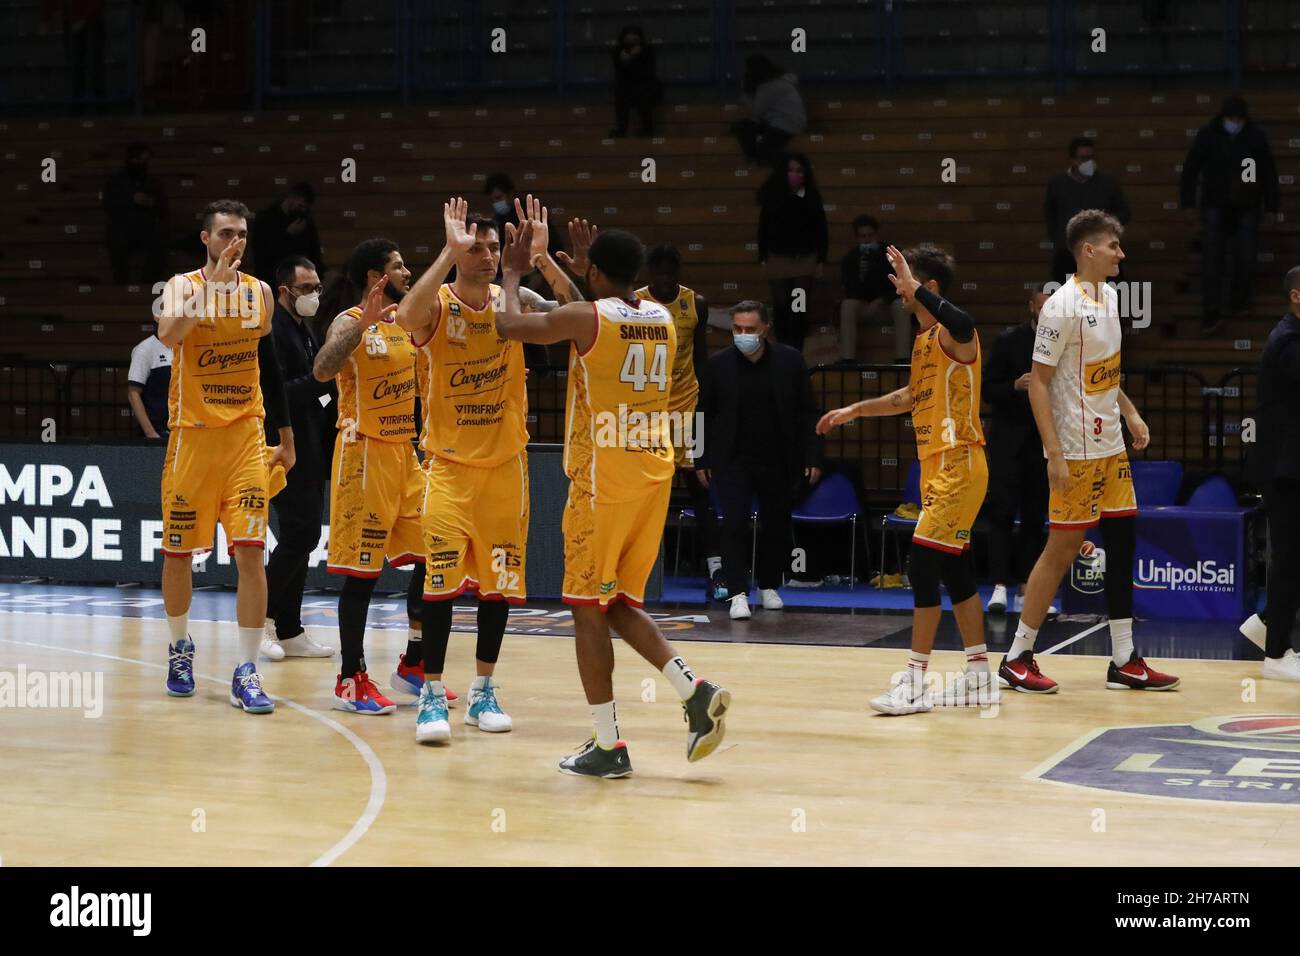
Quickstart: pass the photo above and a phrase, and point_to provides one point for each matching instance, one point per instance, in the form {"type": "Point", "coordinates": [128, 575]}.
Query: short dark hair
{"type": "Point", "coordinates": [500, 181]}
{"type": "Point", "coordinates": [664, 255]}
{"type": "Point", "coordinates": [865, 220]}
{"type": "Point", "coordinates": [1090, 222]}
{"type": "Point", "coordinates": [287, 269]}
{"type": "Point", "coordinates": [1078, 143]}
{"type": "Point", "coordinates": [751, 305]}
{"type": "Point", "coordinates": [928, 261]}
{"type": "Point", "coordinates": [227, 207]}
{"type": "Point", "coordinates": [618, 254]}
{"type": "Point", "coordinates": [303, 190]}
{"type": "Point", "coordinates": [484, 223]}
{"type": "Point", "coordinates": [1292, 280]}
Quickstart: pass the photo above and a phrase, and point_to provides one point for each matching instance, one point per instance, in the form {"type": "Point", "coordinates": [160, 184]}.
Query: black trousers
{"type": "Point", "coordinates": [1017, 485]}
{"type": "Point", "coordinates": [299, 508]}
{"type": "Point", "coordinates": [791, 327]}
{"type": "Point", "coordinates": [640, 97]}
{"type": "Point", "coordinates": [1282, 499]}
{"type": "Point", "coordinates": [738, 483]}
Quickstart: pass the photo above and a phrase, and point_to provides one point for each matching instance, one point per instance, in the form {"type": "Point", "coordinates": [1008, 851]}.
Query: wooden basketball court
{"type": "Point", "coordinates": [807, 775]}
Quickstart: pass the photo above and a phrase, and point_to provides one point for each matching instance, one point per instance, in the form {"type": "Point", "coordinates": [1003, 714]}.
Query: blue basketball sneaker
{"type": "Point", "coordinates": [246, 690]}
{"type": "Point", "coordinates": [485, 712]}
{"type": "Point", "coordinates": [180, 668]}
{"type": "Point", "coordinates": [431, 724]}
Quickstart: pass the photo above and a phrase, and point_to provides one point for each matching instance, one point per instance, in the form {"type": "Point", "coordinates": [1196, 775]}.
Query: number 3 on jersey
{"type": "Point", "coordinates": [634, 370]}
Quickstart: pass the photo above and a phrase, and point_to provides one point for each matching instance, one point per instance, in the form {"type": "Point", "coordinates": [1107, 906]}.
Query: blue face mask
{"type": "Point", "coordinates": [1233, 126]}
{"type": "Point", "coordinates": [747, 342]}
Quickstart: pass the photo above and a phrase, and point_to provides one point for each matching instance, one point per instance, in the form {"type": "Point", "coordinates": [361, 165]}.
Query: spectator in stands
{"type": "Point", "coordinates": [148, 381]}
{"type": "Point", "coordinates": [83, 42]}
{"type": "Point", "coordinates": [135, 210]}
{"type": "Point", "coordinates": [1080, 187]}
{"type": "Point", "coordinates": [635, 84]}
{"type": "Point", "coordinates": [1232, 190]}
{"type": "Point", "coordinates": [759, 440]}
{"type": "Point", "coordinates": [284, 229]}
{"type": "Point", "coordinates": [1017, 468]}
{"type": "Point", "coordinates": [869, 296]}
{"type": "Point", "coordinates": [776, 110]}
{"type": "Point", "coordinates": [792, 241]}
{"type": "Point", "coordinates": [312, 411]}
{"type": "Point", "coordinates": [1274, 467]}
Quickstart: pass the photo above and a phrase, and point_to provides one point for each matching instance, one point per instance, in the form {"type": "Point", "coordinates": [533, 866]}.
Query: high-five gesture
{"type": "Point", "coordinates": [903, 280]}
{"type": "Point", "coordinates": [581, 234]}
{"type": "Point", "coordinates": [836, 417]}
{"type": "Point", "coordinates": [516, 257]}
{"type": "Point", "coordinates": [454, 212]}
{"type": "Point", "coordinates": [372, 312]}
{"type": "Point", "coordinates": [534, 213]}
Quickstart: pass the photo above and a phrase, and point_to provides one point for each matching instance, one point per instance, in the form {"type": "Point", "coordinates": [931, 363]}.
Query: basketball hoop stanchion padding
{"type": "Point", "coordinates": [92, 513]}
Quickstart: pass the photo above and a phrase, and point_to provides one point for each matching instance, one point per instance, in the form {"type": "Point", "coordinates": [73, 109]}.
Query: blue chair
{"type": "Point", "coordinates": [1214, 493]}
{"type": "Point", "coordinates": [832, 501]}
{"type": "Point", "coordinates": [689, 514]}
{"type": "Point", "coordinates": [892, 522]}
{"type": "Point", "coordinates": [1156, 483]}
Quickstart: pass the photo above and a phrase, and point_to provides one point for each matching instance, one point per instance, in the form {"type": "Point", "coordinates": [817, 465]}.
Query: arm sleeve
{"type": "Point", "coordinates": [272, 380]}
{"type": "Point", "coordinates": [959, 324]}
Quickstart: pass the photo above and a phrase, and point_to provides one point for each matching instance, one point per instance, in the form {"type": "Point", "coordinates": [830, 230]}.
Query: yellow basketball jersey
{"type": "Point", "coordinates": [215, 375]}
{"type": "Point", "coordinates": [618, 441]}
{"type": "Point", "coordinates": [377, 385]}
{"type": "Point", "coordinates": [685, 388]}
{"type": "Point", "coordinates": [474, 399]}
{"type": "Point", "coordinates": [945, 396]}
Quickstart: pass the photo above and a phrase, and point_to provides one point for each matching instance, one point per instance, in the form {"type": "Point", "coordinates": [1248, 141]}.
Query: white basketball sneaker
{"type": "Point", "coordinates": [304, 646]}
{"type": "Point", "coordinates": [1286, 667]}
{"type": "Point", "coordinates": [771, 600]}
{"type": "Point", "coordinates": [998, 600]}
{"type": "Point", "coordinates": [1254, 630]}
{"type": "Point", "coordinates": [906, 696]}
{"type": "Point", "coordinates": [740, 608]}
{"type": "Point", "coordinates": [973, 689]}
{"type": "Point", "coordinates": [485, 711]}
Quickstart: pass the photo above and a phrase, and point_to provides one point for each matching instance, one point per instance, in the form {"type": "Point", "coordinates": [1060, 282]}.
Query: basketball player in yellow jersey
{"type": "Point", "coordinates": [619, 458]}
{"type": "Point", "coordinates": [690, 314]}
{"type": "Point", "coordinates": [216, 468]}
{"type": "Point", "coordinates": [943, 396]}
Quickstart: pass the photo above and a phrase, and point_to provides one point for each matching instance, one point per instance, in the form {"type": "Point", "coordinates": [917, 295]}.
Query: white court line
{"type": "Point", "coordinates": [1078, 637]}
{"type": "Point", "coordinates": [378, 777]}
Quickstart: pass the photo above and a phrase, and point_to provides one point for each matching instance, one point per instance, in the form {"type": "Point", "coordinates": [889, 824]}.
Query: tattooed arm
{"type": "Point", "coordinates": [341, 340]}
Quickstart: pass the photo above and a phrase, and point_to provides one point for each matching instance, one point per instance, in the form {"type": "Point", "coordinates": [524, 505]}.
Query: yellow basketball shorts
{"type": "Point", "coordinates": [376, 489]}
{"type": "Point", "coordinates": [610, 548]}
{"type": "Point", "coordinates": [1097, 488]}
{"type": "Point", "coordinates": [211, 475]}
{"type": "Point", "coordinates": [476, 529]}
{"type": "Point", "coordinates": [953, 484]}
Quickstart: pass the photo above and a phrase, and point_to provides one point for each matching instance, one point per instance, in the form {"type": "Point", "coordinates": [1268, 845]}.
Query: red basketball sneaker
{"type": "Point", "coordinates": [359, 695]}
{"type": "Point", "coordinates": [1023, 675]}
{"type": "Point", "coordinates": [409, 680]}
{"type": "Point", "coordinates": [1136, 675]}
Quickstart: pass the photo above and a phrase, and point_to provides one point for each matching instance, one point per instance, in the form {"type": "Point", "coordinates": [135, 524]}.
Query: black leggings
{"type": "Point", "coordinates": [492, 616]}
{"type": "Point", "coordinates": [1119, 538]}
{"type": "Point", "coordinates": [354, 607]}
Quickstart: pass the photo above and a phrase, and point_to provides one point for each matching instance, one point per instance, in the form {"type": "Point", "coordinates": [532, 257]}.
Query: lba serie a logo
{"type": "Point", "coordinates": [1245, 758]}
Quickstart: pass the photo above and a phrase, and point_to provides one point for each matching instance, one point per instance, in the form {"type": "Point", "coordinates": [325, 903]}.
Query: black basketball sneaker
{"type": "Point", "coordinates": [595, 761]}
{"type": "Point", "coordinates": [703, 713]}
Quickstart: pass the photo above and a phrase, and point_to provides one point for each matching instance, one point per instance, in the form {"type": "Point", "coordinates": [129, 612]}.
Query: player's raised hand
{"type": "Point", "coordinates": [581, 235]}
{"type": "Point", "coordinates": [835, 418]}
{"type": "Point", "coordinates": [902, 278]}
{"type": "Point", "coordinates": [516, 256]}
{"type": "Point", "coordinates": [371, 311]}
{"type": "Point", "coordinates": [454, 212]}
{"type": "Point", "coordinates": [227, 270]}
{"type": "Point", "coordinates": [538, 217]}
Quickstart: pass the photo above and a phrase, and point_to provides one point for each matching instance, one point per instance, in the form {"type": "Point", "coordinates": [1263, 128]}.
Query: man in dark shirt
{"type": "Point", "coordinates": [1079, 187]}
{"type": "Point", "coordinates": [283, 229]}
{"type": "Point", "coordinates": [312, 407]}
{"type": "Point", "coordinates": [1017, 468]}
{"type": "Point", "coordinates": [1231, 161]}
{"type": "Point", "coordinates": [1275, 469]}
{"type": "Point", "coordinates": [869, 296]}
{"type": "Point", "coordinates": [759, 440]}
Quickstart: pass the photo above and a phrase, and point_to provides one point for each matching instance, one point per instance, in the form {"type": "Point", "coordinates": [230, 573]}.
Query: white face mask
{"type": "Point", "coordinates": [1087, 168]}
{"type": "Point", "coordinates": [306, 305]}
{"type": "Point", "coordinates": [501, 207]}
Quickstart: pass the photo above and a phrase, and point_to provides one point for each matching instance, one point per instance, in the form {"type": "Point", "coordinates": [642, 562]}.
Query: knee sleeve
{"type": "Point", "coordinates": [923, 566]}
{"type": "Point", "coordinates": [415, 594]}
{"type": "Point", "coordinates": [958, 571]}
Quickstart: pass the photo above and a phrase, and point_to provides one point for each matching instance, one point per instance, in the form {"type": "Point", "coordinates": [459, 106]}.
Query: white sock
{"type": "Point", "coordinates": [1024, 640]}
{"type": "Point", "coordinates": [714, 565]}
{"type": "Point", "coordinates": [1121, 640]}
{"type": "Point", "coordinates": [438, 689]}
{"type": "Point", "coordinates": [250, 639]}
{"type": "Point", "coordinates": [977, 659]}
{"type": "Point", "coordinates": [606, 721]}
{"type": "Point", "coordinates": [681, 677]}
{"type": "Point", "coordinates": [916, 667]}
{"type": "Point", "coordinates": [478, 683]}
{"type": "Point", "coordinates": [179, 626]}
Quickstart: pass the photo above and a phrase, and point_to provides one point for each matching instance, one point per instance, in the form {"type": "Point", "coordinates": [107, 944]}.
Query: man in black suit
{"type": "Point", "coordinates": [1017, 468]}
{"type": "Point", "coordinates": [1275, 468]}
{"type": "Point", "coordinates": [759, 439]}
{"type": "Point", "coordinates": [301, 505]}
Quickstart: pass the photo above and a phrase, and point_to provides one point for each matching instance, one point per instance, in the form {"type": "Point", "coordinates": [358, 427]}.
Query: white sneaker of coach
{"type": "Point", "coordinates": [771, 600]}
{"type": "Point", "coordinates": [997, 600]}
{"type": "Point", "coordinates": [1254, 630]}
{"type": "Point", "coordinates": [271, 648]}
{"type": "Point", "coordinates": [1286, 667]}
{"type": "Point", "coordinates": [304, 646]}
{"type": "Point", "coordinates": [740, 608]}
